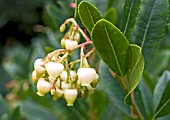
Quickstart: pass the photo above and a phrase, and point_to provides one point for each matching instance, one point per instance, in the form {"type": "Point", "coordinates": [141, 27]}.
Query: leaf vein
{"type": "Point", "coordinates": [127, 23]}
{"type": "Point", "coordinates": [147, 27]}
{"type": "Point", "coordinates": [113, 50]}
{"type": "Point", "coordinates": [90, 14]}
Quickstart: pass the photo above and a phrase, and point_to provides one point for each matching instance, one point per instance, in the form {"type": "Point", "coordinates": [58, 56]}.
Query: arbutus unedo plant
{"type": "Point", "coordinates": [126, 50]}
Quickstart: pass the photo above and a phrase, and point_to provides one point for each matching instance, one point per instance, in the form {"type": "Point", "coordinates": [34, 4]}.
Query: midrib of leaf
{"type": "Point", "coordinates": [128, 19]}
{"type": "Point", "coordinates": [161, 108]}
{"type": "Point", "coordinates": [147, 27]}
{"type": "Point", "coordinates": [90, 15]}
{"type": "Point", "coordinates": [113, 50]}
{"type": "Point", "coordinates": [135, 67]}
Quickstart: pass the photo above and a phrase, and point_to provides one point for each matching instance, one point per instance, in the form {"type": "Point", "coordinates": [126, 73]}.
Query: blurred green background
{"type": "Point", "coordinates": [29, 29]}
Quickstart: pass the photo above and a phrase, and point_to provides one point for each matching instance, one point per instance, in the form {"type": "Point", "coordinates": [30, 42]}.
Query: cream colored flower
{"type": "Point", "coordinates": [86, 75]}
{"type": "Point", "coordinates": [43, 87]}
{"type": "Point", "coordinates": [54, 69]}
{"type": "Point", "coordinates": [70, 96]}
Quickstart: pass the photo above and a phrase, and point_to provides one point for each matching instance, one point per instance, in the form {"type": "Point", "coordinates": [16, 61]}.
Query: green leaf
{"type": "Point", "coordinates": [129, 17]}
{"type": "Point", "coordinates": [110, 3]}
{"type": "Point", "coordinates": [99, 106]}
{"type": "Point", "coordinates": [135, 67]}
{"type": "Point", "coordinates": [139, 101]}
{"type": "Point", "coordinates": [89, 15]}
{"type": "Point", "coordinates": [112, 88]}
{"type": "Point", "coordinates": [111, 15]}
{"type": "Point", "coordinates": [149, 80]}
{"type": "Point", "coordinates": [161, 97]}
{"type": "Point", "coordinates": [150, 26]}
{"type": "Point", "coordinates": [160, 66]}
{"type": "Point", "coordinates": [16, 115]}
{"type": "Point", "coordinates": [111, 45]}
{"type": "Point", "coordinates": [54, 16]}
{"type": "Point", "coordinates": [3, 105]}
{"type": "Point", "coordinates": [147, 97]}
{"type": "Point", "coordinates": [34, 111]}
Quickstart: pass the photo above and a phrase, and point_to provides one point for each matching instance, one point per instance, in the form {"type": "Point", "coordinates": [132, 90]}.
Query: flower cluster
{"type": "Point", "coordinates": [59, 76]}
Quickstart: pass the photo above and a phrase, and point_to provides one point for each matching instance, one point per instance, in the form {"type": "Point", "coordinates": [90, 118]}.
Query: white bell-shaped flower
{"type": "Point", "coordinates": [43, 87]}
{"type": "Point", "coordinates": [70, 96]}
{"type": "Point", "coordinates": [86, 75]}
{"type": "Point", "coordinates": [70, 44]}
{"type": "Point", "coordinates": [54, 69]}
{"type": "Point", "coordinates": [38, 62]}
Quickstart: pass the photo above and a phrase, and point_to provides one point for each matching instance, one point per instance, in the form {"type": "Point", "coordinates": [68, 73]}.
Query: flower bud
{"type": "Point", "coordinates": [52, 91]}
{"type": "Point", "coordinates": [90, 89]}
{"type": "Point", "coordinates": [58, 93]}
{"type": "Point", "coordinates": [34, 77]}
{"type": "Point", "coordinates": [62, 28]}
{"type": "Point", "coordinates": [86, 75]}
{"type": "Point", "coordinates": [73, 75]}
{"type": "Point", "coordinates": [38, 62]}
{"type": "Point", "coordinates": [82, 92]}
{"type": "Point", "coordinates": [43, 87]}
{"type": "Point", "coordinates": [40, 70]}
{"type": "Point", "coordinates": [58, 83]}
{"type": "Point", "coordinates": [70, 44]}
{"type": "Point", "coordinates": [64, 75]}
{"type": "Point", "coordinates": [95, 81]}
{"type": "Point", "coordinates": [70, 96]}
{"type": "Point", "coordinates": [75, 36]}
{"type": "Point", "coordinates": [63, 43]}
{"type": "Point", "coordinates": [65, 85]}
{"type": "Point", "coordinates": [54, 69]}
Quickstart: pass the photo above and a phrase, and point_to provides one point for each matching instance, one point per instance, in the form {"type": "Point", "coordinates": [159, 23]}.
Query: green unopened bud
{"type": "Point", "coordinates": [70, 44]}
{"type": "Point", "coordinates": [86, 75]}
{"type": "Point", "coordinates": [62, 28]}
{"type": "Point", "coordinates": [54, 69]}
{"type": "Point", "coordinates": [58, 93]}
{"type": "Point", "coordinates": [95, 81]}
{"type": "Point", "coordinates": [52, 91]}
{"type": "Point", "coordinates": [43, 87]}
{"type": "Point", "coordinates": [70, 96]}
{"type": "Point", "coordinates": [82, 92]}
{"type": "Point", "coordinates": [75, 36]}
{"type": "Point", "coordinates": [90, 89]}
{"type": "Point", "coordinates": [58, 83]}
{"type": "Point", "coordinates": [63, 43]}
{"type": "Point", "coordinates": [34, 77]}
